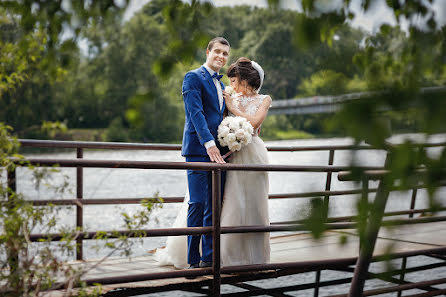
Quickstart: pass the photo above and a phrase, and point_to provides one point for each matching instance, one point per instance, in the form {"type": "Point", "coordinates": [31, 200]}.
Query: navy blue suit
{"type": "Point", "coordinates": [203, 116]}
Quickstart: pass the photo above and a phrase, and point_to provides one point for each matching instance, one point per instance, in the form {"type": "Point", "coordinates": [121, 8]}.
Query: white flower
{"type": "Point", "coordinates": [235, 146]}
{"type": "Point", "coordinates": [247, 138]}
{"type": "Point", "coordinates": [234, 125]}
{"type": "Point", "coordinates": [240, 134]}
{"type": "Point", "coordinates": [235, 132]}
{"type": "Point", "coordinates": [230, 138]}
{"type": "Point", "coordinates": [240, 121]}
{"type": "Point", "coordinates": [229, 90]}
{"type": "Point", "coordinates": [247, 127]}
{"type": "Point", "coordinates": [223, 131]}
{"type": "Point", "coordinates": [225, 121]}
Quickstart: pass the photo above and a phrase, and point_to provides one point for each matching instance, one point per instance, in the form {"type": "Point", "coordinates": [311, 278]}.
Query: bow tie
{"type": "Point", "coordinates": [218, 77]}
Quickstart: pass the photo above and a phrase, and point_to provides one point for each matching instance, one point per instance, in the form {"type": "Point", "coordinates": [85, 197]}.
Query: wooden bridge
{"type": "Point", "coordinates": [412, 234]}
{"type": "Point", "coordinates": [295, 253]}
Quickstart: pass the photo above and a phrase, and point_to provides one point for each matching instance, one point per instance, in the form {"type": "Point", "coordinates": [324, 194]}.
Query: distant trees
{"type": "Point", "coordinates": [38, 51]}
{"type": "Point", "coordinates": [128, 75]}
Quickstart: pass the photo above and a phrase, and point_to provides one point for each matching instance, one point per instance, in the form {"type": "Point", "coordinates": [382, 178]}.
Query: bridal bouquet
{"type": "Point", "coordinates": [235, 132]}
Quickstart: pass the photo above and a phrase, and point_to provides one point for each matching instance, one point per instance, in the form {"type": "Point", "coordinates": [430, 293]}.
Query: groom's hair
{"type": "Point", "coordinates": [221, 40]}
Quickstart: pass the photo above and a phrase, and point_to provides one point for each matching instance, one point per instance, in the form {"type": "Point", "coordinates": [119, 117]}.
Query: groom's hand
{"type": "Point", "coordinates": [214, 154]}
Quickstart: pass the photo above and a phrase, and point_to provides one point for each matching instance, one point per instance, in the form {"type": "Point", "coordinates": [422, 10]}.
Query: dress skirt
{"type": "Point", "coordinates": [245, 202]}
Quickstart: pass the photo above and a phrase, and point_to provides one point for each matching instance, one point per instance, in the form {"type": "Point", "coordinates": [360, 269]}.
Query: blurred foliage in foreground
{"type": "Point", "coordinates": [126, 80]}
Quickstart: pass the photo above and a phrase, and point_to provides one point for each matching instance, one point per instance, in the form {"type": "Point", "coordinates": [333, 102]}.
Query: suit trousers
{"type": "Point", "coordinates": [200, 210]}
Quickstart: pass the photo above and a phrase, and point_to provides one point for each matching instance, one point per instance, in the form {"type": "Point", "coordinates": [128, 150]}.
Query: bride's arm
{"type": "Point", "coordinates": [255, 120]}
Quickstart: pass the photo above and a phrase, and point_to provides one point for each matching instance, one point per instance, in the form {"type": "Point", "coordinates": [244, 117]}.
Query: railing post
{"type": "Point", "coordinates": [326, 207]}
{"type": "Point", "coordinates": [216, 206]}
{"type": "Point", "coordinates": [12, 252]}
{"type": "Point", "coordinates": [79, 208]}
{"type": "Point", "coordinates": [363, 215]}
{"type": "Point", "coordinates": [316, 285]}
{"type": "Point", "coordinates": [404, 262]}
{"type": "Point", "coordinates": [11, 183]}
{"type": "Point", "coordinates": [370, 237]}
{"type": "Point", "coordinates": [328, 181]}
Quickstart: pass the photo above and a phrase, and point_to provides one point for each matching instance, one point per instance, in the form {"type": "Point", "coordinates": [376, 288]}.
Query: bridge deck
{"type": "Point", "coordinates": [293, 247]}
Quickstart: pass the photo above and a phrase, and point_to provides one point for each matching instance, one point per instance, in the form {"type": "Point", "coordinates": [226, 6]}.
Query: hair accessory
{"type": "Point", "coordinates": [261, 73]}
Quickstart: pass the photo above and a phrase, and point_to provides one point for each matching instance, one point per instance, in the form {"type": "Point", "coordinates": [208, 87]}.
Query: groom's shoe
{"type": "Point", "coordinates": [205, 264]}
{"type": "Point", "coordinates": [192, 266]}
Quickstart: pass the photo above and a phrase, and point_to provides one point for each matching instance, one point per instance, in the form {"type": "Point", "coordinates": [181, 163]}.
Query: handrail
{"type": "Point", "coordinates": [225, 230]}
{"type": "Point", "coordinates": [179, 199]}
{"type": "Point", "coordinates": [161, 146]}
{"type": "Point", "coordinates": [386, 214]}
{"type": "Point", "coordinates": [97, 145]}
{"type": "Point", "coordinates": [177, 147]}
{"type": "Point", "coordinates": [183, 165]}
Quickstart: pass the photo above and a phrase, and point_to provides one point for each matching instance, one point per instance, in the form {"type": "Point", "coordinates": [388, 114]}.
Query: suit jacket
{"type": "Point", "coordinates": [203, 114]}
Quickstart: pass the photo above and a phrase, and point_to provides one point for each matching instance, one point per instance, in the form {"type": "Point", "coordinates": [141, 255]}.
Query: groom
{"type": "Point", "coordinates": [204, 106]}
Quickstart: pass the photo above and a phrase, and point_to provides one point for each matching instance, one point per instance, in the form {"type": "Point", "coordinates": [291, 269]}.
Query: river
{"type": "Point", "coordinates": [131, 183]}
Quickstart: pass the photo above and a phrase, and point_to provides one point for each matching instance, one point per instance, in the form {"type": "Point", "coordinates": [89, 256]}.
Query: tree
{"type": "Point", "coordinates": [324, 82]}
{"type": "Point", "coordinates": [42, 53]}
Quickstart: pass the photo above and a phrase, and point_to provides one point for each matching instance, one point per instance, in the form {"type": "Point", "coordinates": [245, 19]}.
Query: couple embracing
{"type": "Point", "coordinates": [245, 193]}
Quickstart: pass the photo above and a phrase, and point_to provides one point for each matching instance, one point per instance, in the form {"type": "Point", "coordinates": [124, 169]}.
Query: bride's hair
{"type": "Point", "coordinates": [243, 70]}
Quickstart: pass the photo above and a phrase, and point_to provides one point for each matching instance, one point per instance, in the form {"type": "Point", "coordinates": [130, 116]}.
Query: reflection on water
{"type": "Point", "coordinates": [130, 183]}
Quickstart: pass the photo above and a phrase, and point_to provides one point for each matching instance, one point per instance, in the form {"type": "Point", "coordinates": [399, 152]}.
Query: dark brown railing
{"type": "Point", "coordinates": [216, 230]}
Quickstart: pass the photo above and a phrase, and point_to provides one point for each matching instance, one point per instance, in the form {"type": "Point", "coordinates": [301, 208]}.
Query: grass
{"type": "Point", "coordinates": [98, 134]}
{"type": "Point", "coordinates": [87, 134]}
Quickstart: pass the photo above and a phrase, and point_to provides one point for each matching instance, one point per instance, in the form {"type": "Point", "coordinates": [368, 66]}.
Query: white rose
{"type": "Point", "coordinates": [230, 138]}
{"type": "Point", "coordinates": [236, 147]}
{"type": "Point", "coordinates": [225, 121]}
{"type": "Point", "coordinates": [223, 131]}
{"type": "Point", "coordinates": [240, 121]}
{"type": "Point", "coordinates": [248, 137]}
{"type": "Point", "coordinates": [229, 90]}
{"type": "Point", "coordinates": [234, 125]}
{"type": "Point", "coordinates": [240, 134]}
{"type": "Point", "coordinates": [247, 126]}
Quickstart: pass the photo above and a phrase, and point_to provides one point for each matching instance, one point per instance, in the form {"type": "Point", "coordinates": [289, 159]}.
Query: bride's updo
{"type": "Point", "coordinates": [243, 70]}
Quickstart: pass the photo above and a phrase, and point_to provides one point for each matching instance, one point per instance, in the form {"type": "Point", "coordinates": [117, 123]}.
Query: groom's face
{"type": "Point", "coordinates": [217, 57]}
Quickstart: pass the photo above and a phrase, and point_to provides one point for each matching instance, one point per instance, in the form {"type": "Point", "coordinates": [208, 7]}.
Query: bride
{"type": "Point", "coordinates": [245, 199]}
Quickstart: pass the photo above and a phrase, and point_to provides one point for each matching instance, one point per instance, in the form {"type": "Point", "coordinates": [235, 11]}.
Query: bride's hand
{"type": "Point", "coordinates": [228, 100]}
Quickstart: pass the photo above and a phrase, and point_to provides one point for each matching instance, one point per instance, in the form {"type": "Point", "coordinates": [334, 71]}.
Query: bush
{"type": "Point", "coordinates": [116, 131]}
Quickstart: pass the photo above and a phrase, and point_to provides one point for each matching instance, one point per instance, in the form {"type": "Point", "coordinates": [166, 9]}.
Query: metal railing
{"type": "Point", "coordinates": [216, 230]}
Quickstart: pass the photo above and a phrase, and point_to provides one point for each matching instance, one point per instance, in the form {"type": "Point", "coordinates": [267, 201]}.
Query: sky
{"type": "Point", "coordinates": [377, 14]}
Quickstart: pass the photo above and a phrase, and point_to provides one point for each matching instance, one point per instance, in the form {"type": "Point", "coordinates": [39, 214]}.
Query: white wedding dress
{"type": "Point", "coordinates": [245, 202]}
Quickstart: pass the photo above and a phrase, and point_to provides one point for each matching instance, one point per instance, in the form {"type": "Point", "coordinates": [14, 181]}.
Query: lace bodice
{"type": "Point", "coordinates": [248, 105]}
